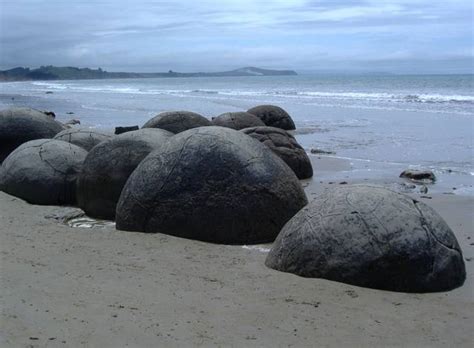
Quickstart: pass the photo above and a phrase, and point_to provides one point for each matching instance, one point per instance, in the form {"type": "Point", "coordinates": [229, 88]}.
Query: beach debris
{"type": "Point", "coordinates": [85, 138]}
{"type": "Point", "coordinates": [212, 184]}
{"type": "Point", "coordinates": [423, 189]}
{"type": "Point", "coordinates": [70, 113]}
{"type": "Point", "coordinates": [121, 130]}
{"type": "Point", "coordinates": [87, 222]}
{"type": "Point", "coordinates": [321, 152]}
{"type": "Point", "coordinates": [285, 146]}
{"type": "Point", "coordinates": [49, 92]}
{"type": "Point", "coordinates": [273, 116]}
{"type": "Point", "coordinates": [420, 176]}
{"type": "Point", "coordinates": [343, 183]}
{"type": "Point", "coordinates": [43, 171]}
{"type": "Point", "coordinates": [108, 166]}
{"type": "Point", "coordinates": [19, 125]}
{"type": "Point", "coordinates": [237, 120]}
{"type": "Point", "coordinates": [177, 121]}
{"type": "Point", "coordinates": [372, 237]}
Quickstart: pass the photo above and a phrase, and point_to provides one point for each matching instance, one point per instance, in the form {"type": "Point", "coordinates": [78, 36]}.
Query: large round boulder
{"type": "Point", "coordinates": [372, 237]}
{"type": "Point", "coordinates": [285, 146]}
{"type": "Point", "coordinates": [212, 184]}
{"type": "Point", "coordinates": [273, 116]}
{"type": "Point", "coordinates": [85, 138]}
{"type": "Point", "coordinates": [43, 171]}
{"type": "Point", "coordinates": [19, 125]}
{"type": "Point", "coordinates": [237, 120]}
{"type": "Point", "coordinates": [177, 121]}
{"type": "Point", "coordinates": [108, 166]}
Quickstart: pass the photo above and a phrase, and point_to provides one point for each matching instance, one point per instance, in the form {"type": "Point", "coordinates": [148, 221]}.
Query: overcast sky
{"type": "Point", "coordinates": [341, 35]}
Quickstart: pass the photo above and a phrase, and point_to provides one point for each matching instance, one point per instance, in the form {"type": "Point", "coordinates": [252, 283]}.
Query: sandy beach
{"type": "Point", "coordinates": [99, 287]}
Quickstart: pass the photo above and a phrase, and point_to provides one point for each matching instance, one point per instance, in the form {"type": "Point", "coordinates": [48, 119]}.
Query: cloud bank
{"type": "Point", "coordinates": [353, 35]}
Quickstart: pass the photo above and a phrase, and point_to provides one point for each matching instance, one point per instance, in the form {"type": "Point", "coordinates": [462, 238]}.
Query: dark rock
{"type": "Point", "coordinates": [19, 125]}
{"type": "Point", "coordinates": [372, 237]}
{"type": "Point", "coordinates": [121, 130]}
{"type": "Point", "coordinates": [43, 171]}
{"type": "Point", "coordinates": [273, 116]}
{"type": "Point", "coordinates": [177, 121]}
{"type": "Point", "coordinates": [237, 120]}
{"type": "Point", "coordinates": [321, 152]}
{"type": "Point", "coordinates": [422, 176]}
{"type": "Point", "coordinates": [108, 166]}
{"type": "Point", "coordinates": [85, 138]}
{"type": "Point", "coordinates": [50, 114]}
{"type": "Point", "coordinates": [211, 184]}
{"type": "Point", "coordinates": [285, 146]}
{"type": "Point", "coordinates": [49, 92]}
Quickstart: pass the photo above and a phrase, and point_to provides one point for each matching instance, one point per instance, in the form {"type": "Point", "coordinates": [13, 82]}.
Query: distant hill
{"type": "Point", "coordinates": [73, 73]}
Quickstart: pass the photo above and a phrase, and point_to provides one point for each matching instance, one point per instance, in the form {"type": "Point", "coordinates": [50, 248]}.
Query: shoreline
{"type": "Point", "coordinates": [64, 286]}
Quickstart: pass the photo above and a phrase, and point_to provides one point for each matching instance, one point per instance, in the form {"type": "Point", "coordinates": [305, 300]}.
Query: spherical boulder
{"type": "Point", "coordinates": [43, 171]}
{"type": "Point", "coordinates": [85, 138]}
{"type": "Point", "coordinates": [108, 166]}
{"type": "Point", "coordinates": [19, 125]}
{"type": "Point", "coordinates": [371, 237]}
{"type": "Point", "coordinates": [273, 116]}
{"type": "Point", "coordinates": [211, 184]}
{"type": "Point", "coordinates": [237, 120]}
{"type": "Point", "coordinates": [285, 146]}
{"type": "Point", "coordinates": [177, 121]}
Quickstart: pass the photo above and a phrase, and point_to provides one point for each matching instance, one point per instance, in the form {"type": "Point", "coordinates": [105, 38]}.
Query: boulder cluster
{"type": "Point", "coordinates": [233, 180]}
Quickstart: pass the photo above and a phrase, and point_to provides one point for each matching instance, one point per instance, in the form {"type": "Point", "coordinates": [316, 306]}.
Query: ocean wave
{"type": "Point", "coordinates": [283, 93]}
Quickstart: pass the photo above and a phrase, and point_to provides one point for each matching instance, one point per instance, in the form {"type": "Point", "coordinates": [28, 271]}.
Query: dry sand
{"type": "Point", "coordinates": [98, 287]}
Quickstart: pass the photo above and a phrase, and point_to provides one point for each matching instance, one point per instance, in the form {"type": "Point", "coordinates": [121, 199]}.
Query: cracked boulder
{"type": "Point", "coordinates": [108, 166]}
{"type": "Point", "coordinates": [82, 137]}
{"type": "Point", "coordinates": [237, 120]}
{"type": "Point", "coordinates": [177, 121]}
{"type": "Point", "coordinates": [273, 116]}
{"type": "Point", "coordinates": [212, 184]}
{"type": "Point", "coordinates": [43, 171]}
{"type": "Point", "coordinates": [285, 146]}
{"type": "Point", "coordinates": [19, 125]}
{"type": "Point", "coordinates": [371, 237]}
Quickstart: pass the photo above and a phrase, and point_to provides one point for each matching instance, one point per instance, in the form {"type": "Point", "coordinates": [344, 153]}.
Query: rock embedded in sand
{"type": "Point", "coordinates": [285, 146]}
{"type": "Point", "coordinates": [43, 171]}
{"type": "Point", "coordinates": [212, 184]}
{"type": "Point", "coordinates": [85, 138]}
{"type": "Point", "coordinates": [237, 120]}
{"type": "Point", "coordinates": [177, 121]}
{"type": "Point", "coordinates": [422, 176]}
{"type": "Point", "coordinates": [273, 116]}
{"type": "Point", "coordinates": [108, 166]}
{"type": "Point", "coordinates": [19, 125]}
{"type": "Point", "coordinates": [371, 237]}
{"type": "Point", "coordinates": [121, 130]}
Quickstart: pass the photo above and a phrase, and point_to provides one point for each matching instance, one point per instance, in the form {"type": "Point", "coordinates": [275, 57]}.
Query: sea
{"type": "Point", "coordinates": [380, 124]}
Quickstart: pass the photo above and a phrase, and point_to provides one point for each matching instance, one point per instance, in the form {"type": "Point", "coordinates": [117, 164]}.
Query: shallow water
{"type": "Point", "coordinates": [381, 124]}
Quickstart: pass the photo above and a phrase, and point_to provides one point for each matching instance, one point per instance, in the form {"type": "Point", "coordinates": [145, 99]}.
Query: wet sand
{"type": "Point", "coordinates": [98, 287]}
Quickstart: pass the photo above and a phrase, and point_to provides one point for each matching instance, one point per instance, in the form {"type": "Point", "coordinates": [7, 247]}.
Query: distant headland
{"type": "Point", "coordinates": [73, 73]}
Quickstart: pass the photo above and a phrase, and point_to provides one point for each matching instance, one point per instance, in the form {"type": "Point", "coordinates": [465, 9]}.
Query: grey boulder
{"type": "Point", "coordinates": [237, 120]}
{"type": "Point", "coordinates": [285, 146]}
{"type": "Point", "coordinates": [19, 125]}
{"type": "Point", "coordinates": [211, 184]}
{"type": "Point", "coordinates": [273, 116]}
{"type": "Point", "coordinates": [177, 121]}
{"type": "Point", "coordinates": [371, 237]}
{"type": "Point", "coordinates": [82, 137]}
{"type": "Point", "coordinates": [43, 171]}
{"type": "Point", "coordinates": [108, 166]}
